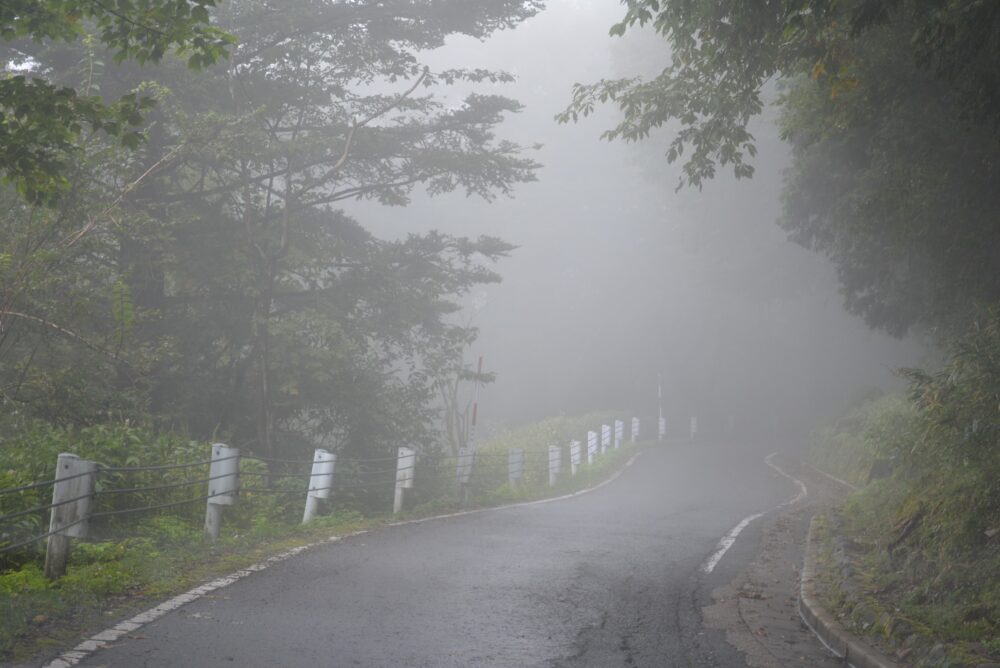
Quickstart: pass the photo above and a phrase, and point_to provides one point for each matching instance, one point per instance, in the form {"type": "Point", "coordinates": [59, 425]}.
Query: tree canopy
{"type": "Point", "coordinates": [44, 112]}
{"type": "Point", "coordinates": [207, 279]}
{"type": "Point", "coordinates": [893, 113]}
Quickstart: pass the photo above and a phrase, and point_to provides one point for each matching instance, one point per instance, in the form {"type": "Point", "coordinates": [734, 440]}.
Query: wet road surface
{"type": "Point", "coordinates": [609, 578]}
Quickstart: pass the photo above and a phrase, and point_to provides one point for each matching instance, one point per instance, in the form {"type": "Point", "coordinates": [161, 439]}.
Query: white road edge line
{"type": "Point", "coordinates": [730, 538]}
{"type": "Point", "coordinates": [832, 477]}
{"type": "Point", "coordinates": [123, 629]}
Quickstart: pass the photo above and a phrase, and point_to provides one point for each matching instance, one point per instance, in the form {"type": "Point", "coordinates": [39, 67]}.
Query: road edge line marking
{"type": "Point", "coordinates": [832, 477]}
{"type": "Point", "coordinates": [728, 540]}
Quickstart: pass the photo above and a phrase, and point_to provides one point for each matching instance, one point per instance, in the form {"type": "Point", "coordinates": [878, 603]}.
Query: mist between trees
{"type": "Point", "coordinates": [283, 225]}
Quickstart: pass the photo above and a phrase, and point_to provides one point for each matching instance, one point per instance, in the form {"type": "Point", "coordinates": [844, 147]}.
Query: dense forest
{"type": "Point", "coordinates": [173, 250]}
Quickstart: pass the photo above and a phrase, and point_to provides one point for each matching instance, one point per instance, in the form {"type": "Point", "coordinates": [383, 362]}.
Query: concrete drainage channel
{"type": "Point", "coordinates": [844, 645]}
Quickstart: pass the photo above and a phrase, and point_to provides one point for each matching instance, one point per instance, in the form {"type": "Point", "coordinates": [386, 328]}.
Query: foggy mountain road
{"type": "Point", "coordinates": [610, 578]}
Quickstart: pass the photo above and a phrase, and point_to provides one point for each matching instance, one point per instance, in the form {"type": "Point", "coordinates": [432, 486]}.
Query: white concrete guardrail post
{"type": "Point", "coordinates": [71, 494]}
{"type": "Point", "coordinates": [223, 486]}
{"type": "Point", "coordinates": [635, 430]}
{"type": "Point", "coordinates": [406, 462]}
{"type": "Point", "coordinates": [591, 446]}
{"type": "Point", "coordinates": [574, 456]}
{"type": "Point", "coordinates": [320, 482]}
{"type": "Point", "coordinates": [661, 429]}
{"type": "Point", "coordinates": [555, 463]}
{"type": "Point", "coordinates": [515, 466]}
{"type": "Point", "coordinates": [619, 433]}
{"type": "Point", "coordinates": [463, 472]}
{"type": "Point", "coordinates": [605, 437]}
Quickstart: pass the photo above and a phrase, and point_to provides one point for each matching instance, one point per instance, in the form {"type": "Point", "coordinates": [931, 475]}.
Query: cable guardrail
{"type": "Point", "coordinates": [160, 506]}
{"type": "Point", "coordinates": [48, 506]}
{"type": "Point", "coordinates": [43, 483]}
{"type": "Point", "coordinates": [164, 467]}
{"type": "Point", "coordinates": [155, 488]}
{"type": "Point", "coordinates": [360, 478]}
{"type": "Point", "coordinates": [271, 460]}
{"type": "Point", "coordinates": [53, 532]}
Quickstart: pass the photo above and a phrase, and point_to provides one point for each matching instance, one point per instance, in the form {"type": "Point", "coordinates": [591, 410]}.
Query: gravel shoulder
{"type": "Point", "coordinates": [758, 609]}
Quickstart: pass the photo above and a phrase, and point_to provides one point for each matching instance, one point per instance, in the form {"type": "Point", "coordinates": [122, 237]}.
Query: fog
{"type": "Point", "coordinates": [618, 278]}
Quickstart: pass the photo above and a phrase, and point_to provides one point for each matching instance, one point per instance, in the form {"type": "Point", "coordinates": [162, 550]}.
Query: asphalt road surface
{"type": "Point", "coordinates": [609, 578]}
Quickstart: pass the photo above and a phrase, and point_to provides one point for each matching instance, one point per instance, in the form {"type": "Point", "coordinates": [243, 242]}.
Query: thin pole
{"type": "Point", "coordinates": [475, 405]}
{"type": "Point", "coordinates": [659, 395]}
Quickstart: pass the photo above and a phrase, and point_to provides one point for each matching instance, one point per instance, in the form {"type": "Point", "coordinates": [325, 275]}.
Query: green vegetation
{"type": "Point", "coordinates": [878, 428]}
{"type": "Point", "coordinates": [925, 542]}
{"type": "Point", "coordinates": [44, 119]}
{"type": "Point", "coordinates": [892, 113]}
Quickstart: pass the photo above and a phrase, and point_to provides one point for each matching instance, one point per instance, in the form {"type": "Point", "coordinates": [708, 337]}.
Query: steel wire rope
{"type": "Point", "coordinates": [372, 483]}
{"type": "Point", "coordinates": [263, 474]}
{"type": "Point", "coordinates": [23, 488]}
{"type": "Point", "coordinates": [44, 483]}
{"type": "Point", "coordinates": [161, 506]}
{"type": "Point", "coordinates": [265, 490]}
{"type": "Point", "coordinates": [365, 461]}
{"type": "Point", "coordinates": [163, 467]}
{"type": "Point", "coordinates": [36, 509]}
{"type": "Point", "coordinates": [172, 485]}
{"type": "Point", "coordinates": [8, 548]}
{"type": "Point", "coordinates": [378, 472]}
{"type": "Point", "coordinates": [270, 460]}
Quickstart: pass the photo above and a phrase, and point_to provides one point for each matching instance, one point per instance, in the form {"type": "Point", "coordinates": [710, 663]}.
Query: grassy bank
{"type": "Point", "coordinates": [913, 558]}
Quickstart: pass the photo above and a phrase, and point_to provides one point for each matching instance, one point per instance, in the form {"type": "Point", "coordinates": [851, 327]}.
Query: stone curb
{"type": "Point", "coordinates": [838, 640]}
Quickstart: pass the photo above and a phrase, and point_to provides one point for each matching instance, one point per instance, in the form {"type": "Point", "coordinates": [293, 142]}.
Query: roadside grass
{"type": "Point", "coordinates": [111, 579]}
{"type": "Point", "coordinates": [849, 446]}
{"type": "Point", "coordinates": [911, 560]}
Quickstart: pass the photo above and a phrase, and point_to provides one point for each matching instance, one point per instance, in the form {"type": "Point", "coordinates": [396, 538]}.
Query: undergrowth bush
{"type": "Point", "coordinates": [929, 535]}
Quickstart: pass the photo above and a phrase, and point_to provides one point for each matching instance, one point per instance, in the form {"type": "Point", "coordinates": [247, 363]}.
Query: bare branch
{"type": "Point", "coordinates": [65, 332]}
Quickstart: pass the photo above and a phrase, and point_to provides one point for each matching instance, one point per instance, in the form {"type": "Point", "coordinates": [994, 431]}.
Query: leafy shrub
{"type": "Point", "coordinates": [884, 427]}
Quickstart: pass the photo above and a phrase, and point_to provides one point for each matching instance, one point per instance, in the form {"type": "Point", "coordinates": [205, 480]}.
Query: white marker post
{"type": "Point", "coordinates": [661, 423]}
{"type": "Point", "coordinates": [223, 485]}
{"type": "Point", "coordinates": [320, 482]}
{"type": "Point", "coordinates": [591, 446]}
{"type": "Point", "coordinates": [406, 462]}
{"type": "Point", "coordinates": [619, 433]}
{"type": "Point", "coordinates": [555, 463]}
{"type": "Point", "coordinates": [515, 466]}
{"type": "Point", "coordinates": [73, 489]}
{"type": "Point", "coordinates": [463, 467]}
{"type": "Point", "coordinates": [463, 472]}
{"type": "Point", "coordinates": [635, 429]}
{"type": "Point", "coordinates": [605, 437]}
{"type": "Point", "coordinates": [574, 456]}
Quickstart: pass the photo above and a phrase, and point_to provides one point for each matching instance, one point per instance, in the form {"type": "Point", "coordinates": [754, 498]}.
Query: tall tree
{"type": "Point", "coordinates": [723, 53]}
{"type": "Point", "coordinates": [894, 114]}
{"type": "Point", "coordinates": [277, 319]}
{"type": "Point", "coordinates": [42, 115]}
